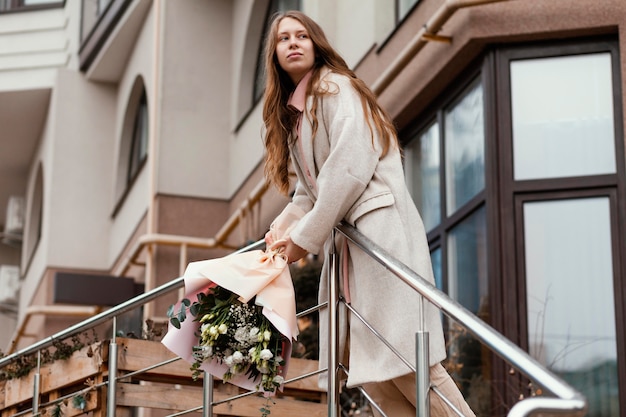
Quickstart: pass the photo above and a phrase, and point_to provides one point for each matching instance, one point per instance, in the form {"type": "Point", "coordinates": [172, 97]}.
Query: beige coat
{"type": "Point", "coordinates": [349, 181]}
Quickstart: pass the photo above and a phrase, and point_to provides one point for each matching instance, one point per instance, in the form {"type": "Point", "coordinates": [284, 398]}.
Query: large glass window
{"type": "Point", "coordinates": [519, 178]}
{"type": "Point", "coordinates": [465, 149]}
{"type": "Point", "coordinates": [569, 295]}
{"type": "Point", "coordinates": [422, 174]}
{"type": "Point", "coordinates": [452, 146]}
{"type": "Point", "coordinates": [562, 116]}
{"type": "Point", "coordinates": [467, 262]}
{"type": "Point", "coordinates": [467, 283]}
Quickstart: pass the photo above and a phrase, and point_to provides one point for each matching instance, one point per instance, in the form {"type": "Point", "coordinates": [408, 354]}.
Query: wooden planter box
{"type": "Point", "coordinates": [84, 367]}
{"type": "Point", "coordinates": [169, 387]}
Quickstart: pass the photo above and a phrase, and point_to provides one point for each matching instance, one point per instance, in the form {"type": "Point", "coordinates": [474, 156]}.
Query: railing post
{"type": "Point", "coordinates": [333, 300]}
{"type": "Point", "coordinates": [422, 373]}
{"type": "Point", "coordinates": [36, 385]}
{"type": "Point", "coordinates": [207, 397]}
{"type": "Point", "coordinates": [111, 391]}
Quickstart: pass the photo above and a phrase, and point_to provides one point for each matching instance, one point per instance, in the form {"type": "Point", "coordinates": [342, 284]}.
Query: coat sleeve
{"type": "Point", "coordinates": [345, 173]}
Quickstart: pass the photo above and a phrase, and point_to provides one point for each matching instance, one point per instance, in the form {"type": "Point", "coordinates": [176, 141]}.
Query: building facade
{"type": "Point", "coordinates": [131, 138]}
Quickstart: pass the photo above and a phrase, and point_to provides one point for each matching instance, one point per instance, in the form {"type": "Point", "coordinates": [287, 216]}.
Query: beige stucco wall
{"type": "Point", "coordinates": [76, 157]}
{"type": "Point", "coordinates": [194, 99]}
{"type": "Point", "coordinates": [135, 203]}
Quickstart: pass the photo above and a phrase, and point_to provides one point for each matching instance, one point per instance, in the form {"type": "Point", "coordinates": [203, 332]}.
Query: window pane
{"type": "Point", "coordinates": [467, 283]}
{"type": "Point", "coordinates": [404, 6]}
{"type": "Point", "coordinates": [259, 76]}
{"type": "Point", "coordinates": [569, 284]}
{"type": "Point", "coordinates": [467, 261]}
{"type": "Point", "coordinates": [562, 110]}
{"type": "Point", "coordinates": [139, 145]}
{"type": "Point", "coordinates": [465, 149]}
{"type": "Point", "coordinates": [435, 257]}
{"type": "Point", "coordinates": [422, 173]}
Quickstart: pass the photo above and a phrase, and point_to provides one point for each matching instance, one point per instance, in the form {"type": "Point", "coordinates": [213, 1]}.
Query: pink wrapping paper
{"type": "Point", "coordinates": [256, 273]}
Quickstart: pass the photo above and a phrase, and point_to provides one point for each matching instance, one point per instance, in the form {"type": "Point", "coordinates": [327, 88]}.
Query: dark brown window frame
{"type": "Point", "coordinates": [501, 193]}
{"type": "Point", "coordinates": [515, 192]}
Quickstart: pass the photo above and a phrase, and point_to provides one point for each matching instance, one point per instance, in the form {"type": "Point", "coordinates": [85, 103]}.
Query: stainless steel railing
{"type": "Point", "coordinates": [566, 398]}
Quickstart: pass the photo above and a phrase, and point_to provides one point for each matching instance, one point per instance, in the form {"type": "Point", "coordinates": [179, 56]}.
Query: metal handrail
{"type": "Point", "coordinates": [569, 400]}
{"type": "Point", "coordinates": [108, 314]}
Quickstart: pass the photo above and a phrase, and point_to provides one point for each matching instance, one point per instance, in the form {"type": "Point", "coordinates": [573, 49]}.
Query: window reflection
{"type": "Point", "coordinates": [571, 328]}
{"type": "Point", "coordinates": [467, 283]}
{"type": "Point", "coordinates": [435, 257]}
{"type": "Point", "coordinates": [465, 149]}
{"type": "Point", "coordinates": [562, 110]}
{"type": "Point", "coordinates": [422, 172]}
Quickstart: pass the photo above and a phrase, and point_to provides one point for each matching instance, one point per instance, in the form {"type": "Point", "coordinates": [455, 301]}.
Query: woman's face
{"type": "Point", "coordinates": [294, 49]}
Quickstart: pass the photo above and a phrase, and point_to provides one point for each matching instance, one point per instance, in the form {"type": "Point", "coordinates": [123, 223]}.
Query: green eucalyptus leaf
{"type": "Point", "coordinates": [195, 309]}
{"type": "Point", "coordinates": [182, 315]}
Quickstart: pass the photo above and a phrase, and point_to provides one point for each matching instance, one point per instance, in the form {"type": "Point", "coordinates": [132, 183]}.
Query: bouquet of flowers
{"type": "Point", "coordinates": [244, 319]}
{"type": "Point", "coordinates": [236, 334]}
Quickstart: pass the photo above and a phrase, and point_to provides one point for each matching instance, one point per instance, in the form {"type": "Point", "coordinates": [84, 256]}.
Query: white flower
{"type": "Point", "coordinates": [254, 335]}
{"type": "Point", "coordinates": [237, 357]}
{"type": "Point", "coordinates": [263, 368]}
{"type": "Point", "coordinates": [223, 328]}
{"type": "Point", "coordinates": [266, 355]}
{"type": "Point", "coordinates": [252, 353]}
{"type": "Point", "coordinates": [278, 379]}
{"type": "Point", "coordinates": [207, 351]}
{"type": "Point", "coordinates": [241, 335]}
{"type": "Point", "coordinates": [267, 335]}
{"type": "Point", "coordinates": [228, 360]}
{"type": "Point", "coordinates": [213, 331]}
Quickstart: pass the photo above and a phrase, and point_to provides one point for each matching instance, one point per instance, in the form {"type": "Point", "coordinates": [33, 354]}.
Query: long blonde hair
{"type": "Point", "coordinates": [279, 119]}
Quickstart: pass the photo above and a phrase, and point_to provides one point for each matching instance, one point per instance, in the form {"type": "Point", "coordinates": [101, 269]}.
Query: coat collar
{"type": "Point", "coordinates": [297, 99]}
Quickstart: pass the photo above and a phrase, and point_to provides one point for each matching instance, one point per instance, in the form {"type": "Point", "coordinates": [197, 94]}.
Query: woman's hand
{"type": "Point", "coordinates": [292, 251]}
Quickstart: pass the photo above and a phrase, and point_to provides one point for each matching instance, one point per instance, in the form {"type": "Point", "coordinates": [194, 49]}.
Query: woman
{"type": "Point", "coordinates": [346, 156]}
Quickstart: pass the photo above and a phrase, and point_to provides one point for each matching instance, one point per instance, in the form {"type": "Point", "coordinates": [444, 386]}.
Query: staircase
{"type": "Point", "coordinates": [143, 373]}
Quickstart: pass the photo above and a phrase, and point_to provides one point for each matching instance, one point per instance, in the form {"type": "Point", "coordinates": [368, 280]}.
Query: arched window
{"type": "Point", "coordinates": [32, 234]}
{"type": "Point", "coordinates": [273, 7]}
{"type": "Point", "coordinates": [139, 144]}
{"type": "Point", "coordinates": [133, 149]}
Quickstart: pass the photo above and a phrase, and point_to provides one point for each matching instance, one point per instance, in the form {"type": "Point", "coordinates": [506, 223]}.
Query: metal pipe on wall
{"type": "Point", "coordinates": [427, 33]}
